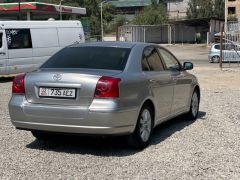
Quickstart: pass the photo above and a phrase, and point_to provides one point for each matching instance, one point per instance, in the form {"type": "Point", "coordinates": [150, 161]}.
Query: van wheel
{"type": "Point", "coordinates": [143, 131]}
{"type": "Point", "coordinates": [216, 59]}
{"type": "Point", "coordinates": [39, 135]}
{"type": "Point", "coordinates": [194, 107]}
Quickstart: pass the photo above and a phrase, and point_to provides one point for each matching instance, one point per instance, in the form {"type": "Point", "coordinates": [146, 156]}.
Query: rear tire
{"type": "Point", "coordinates": [194, 107]}
{"type": "Point", "coordinates": [143, 130]}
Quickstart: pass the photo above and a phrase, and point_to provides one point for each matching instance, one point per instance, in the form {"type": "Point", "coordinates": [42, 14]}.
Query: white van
{"type": "Point", "coordinates": [25, 45]}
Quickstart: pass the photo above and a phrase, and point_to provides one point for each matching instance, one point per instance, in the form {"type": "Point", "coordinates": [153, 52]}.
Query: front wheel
{"type": "Point", "coordinates": [194, 107]}
{"type": "Point", "coordinates": [142, 133]}
{"type": "Point", "coordinates": [216, 59]}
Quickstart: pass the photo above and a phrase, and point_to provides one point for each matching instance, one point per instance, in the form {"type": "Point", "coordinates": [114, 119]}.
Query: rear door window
{"type": "Point", "coordinates": [109, 58]}
{"type": "Point", "coordinates": [18, 38]}
{"type": "Point", "coordinates": [151, 60]}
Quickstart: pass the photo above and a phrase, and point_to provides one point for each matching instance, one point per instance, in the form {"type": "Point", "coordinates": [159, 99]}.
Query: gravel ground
{"type": "Point", "coordinates": [207, 148]}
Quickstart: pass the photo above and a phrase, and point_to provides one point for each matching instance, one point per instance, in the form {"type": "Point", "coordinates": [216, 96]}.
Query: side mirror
{"type": "Point", "coordinates": [187, 66]}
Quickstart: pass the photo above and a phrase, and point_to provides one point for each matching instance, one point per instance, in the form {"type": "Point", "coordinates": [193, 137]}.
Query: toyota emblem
{"type": "Point", "coordinates": [57, 77]}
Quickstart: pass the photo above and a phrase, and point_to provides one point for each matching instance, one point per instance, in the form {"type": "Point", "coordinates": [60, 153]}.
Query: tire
{"type": "Point", "coordinates": [215, 59]}
{"type": "Point", "coordinates": [39, 135]}
{"type": "Point", "coordinates": [194, 106]}
{"type": "Point", "coordinates": [143, 130]}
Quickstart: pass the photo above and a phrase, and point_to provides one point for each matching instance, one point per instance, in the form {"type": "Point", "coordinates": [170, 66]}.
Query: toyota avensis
{"type": "Point", "coordinates": [106, 88]}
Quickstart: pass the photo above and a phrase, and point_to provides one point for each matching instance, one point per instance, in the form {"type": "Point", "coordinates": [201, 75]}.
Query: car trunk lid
{"type": "Point", "coordinates": [83, 82]}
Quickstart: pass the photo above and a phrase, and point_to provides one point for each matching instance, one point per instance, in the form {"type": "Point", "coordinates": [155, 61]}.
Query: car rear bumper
{"type": "Point", "coordinates": [71, 119]}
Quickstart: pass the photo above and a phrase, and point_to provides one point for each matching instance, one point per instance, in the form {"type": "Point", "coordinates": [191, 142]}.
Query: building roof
{"type": "Point", "coordinates": [130, 3]}
{"type": "Point", "coordinates": [44, 7]}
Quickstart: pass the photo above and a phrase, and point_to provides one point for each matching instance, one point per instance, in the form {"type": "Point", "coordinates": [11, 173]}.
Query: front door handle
{"type": "Point", "coordinates": [2, 53]}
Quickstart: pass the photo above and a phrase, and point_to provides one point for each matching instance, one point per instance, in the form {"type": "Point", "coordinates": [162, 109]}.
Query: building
{"type": "Point", "coordinates": [129, 7]}
{"type": "Point", "coordinates": [177, 8]}
{"type": "Point", "coordinates": [38, 11]}
{"type": "Point", "coordinates": [233, 10]}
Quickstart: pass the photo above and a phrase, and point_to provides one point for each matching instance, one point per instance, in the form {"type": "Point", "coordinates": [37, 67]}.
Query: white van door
{"type": "Point", "coordinates": [3, 53]}
{"type": "Point", "coordinates": [45, 44]}
{"type": "Point", "coordinates": [19, 43]}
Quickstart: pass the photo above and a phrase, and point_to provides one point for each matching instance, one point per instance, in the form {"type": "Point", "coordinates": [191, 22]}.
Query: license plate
{"type": "Point", "coordinates": [57, 92]}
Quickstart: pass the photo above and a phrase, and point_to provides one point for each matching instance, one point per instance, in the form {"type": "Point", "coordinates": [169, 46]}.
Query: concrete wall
{"type": "Point", "coordinates": [177, 8]}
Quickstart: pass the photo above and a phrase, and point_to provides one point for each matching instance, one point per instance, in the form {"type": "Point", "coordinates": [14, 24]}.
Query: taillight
{"type": "Point", "coordinates": [107, 87]}
{"type": "Point", "coordinates": [18, 84]}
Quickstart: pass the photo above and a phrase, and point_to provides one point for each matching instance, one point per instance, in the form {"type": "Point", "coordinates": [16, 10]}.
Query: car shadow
{"type": "Point", "coordinates": [109, 146]}
{"type": "Point", "coordinates": [168, 128]}
{"type": "Point", "coordinates": [6, 79]}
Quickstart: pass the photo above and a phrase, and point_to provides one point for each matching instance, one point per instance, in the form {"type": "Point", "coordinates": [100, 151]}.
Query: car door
{"type": "Point", "coordinates": [182, 82]}
{"type": "Point", "coordinates": [19, 50]}
{"type": "Point", "coordinates": [160, 82]}
{"type": "Point", "coordinates": [3, 53]}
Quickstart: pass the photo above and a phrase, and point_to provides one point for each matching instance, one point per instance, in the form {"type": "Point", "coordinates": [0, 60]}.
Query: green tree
{"type": "Point", "coordinates": [94, 14]}
{"type": "Point", "coordinates": [152, 15]}
{"type": "Point", "coordinates": [219, 6]}
{"type": "Point", "coordinates": [205, 9]}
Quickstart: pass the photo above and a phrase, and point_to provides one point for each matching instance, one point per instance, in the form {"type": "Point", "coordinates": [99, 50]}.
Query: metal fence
{"type": "Point", "coordinates": [157, 33]}
{"type": "Point", "coordinates": [231, 45]}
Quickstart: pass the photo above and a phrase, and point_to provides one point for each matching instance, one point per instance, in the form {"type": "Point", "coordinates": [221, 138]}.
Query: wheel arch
{"type": "Point", "coordinates": [197, 88]}
{"type": "Point", "coordinates": [150, 103]}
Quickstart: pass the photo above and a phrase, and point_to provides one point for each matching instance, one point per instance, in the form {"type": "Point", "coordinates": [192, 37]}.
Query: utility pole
{"type": "Point", "coordinates": [102, 19]}
{"type": "Point", "coordinates": [226, 13]}
{"type": "Point", "coordinates": [60, 9]}
{"type": "Point", "coordinates": [19, 9]}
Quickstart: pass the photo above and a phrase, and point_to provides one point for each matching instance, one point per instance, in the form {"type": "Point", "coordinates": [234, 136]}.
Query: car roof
{"type": "Point", "coordinates": [110, 44]}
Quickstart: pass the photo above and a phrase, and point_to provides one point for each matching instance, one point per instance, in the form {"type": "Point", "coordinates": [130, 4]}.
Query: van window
{"type": "Point", "coordinates": [1, 35]}
{"type": "Point", "coordinates": [18, 38]}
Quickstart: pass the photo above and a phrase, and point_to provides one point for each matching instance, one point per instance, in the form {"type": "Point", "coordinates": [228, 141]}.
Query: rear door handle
{"type": "Point", "coordinates": [174, 78]}
{"type": "Point", "coordinates": [152, 80]}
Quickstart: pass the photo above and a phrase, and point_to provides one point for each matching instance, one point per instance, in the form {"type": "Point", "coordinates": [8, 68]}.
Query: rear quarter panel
{"type": "Point", "coordinates": [134, 86]}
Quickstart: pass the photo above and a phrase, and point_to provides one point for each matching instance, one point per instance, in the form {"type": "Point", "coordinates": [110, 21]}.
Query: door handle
{"type": "Point", "coordinates": [2, 53]}
{"type": "Point", "coordinates": [152, 80]}
{"type": "Point", "coordinates": [174, 78]}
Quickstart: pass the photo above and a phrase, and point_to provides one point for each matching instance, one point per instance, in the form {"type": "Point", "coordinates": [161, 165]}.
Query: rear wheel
{"type": "Point", "coordinates": [194, 107]}
{"type": "Point", "coordinates": [216, 59]}
{"type": "Point", "coordinates": [142, 133]}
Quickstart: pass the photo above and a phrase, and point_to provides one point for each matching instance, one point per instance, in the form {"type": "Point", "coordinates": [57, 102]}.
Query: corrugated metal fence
{"type": "Point", "coordinates": [231, 44]}
{"type": "Point", "coordinates": [157, 34]}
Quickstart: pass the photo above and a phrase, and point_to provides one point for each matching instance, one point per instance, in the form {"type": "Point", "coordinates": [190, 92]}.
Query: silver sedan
{"type": "Point", "coordinates": [106, 88]}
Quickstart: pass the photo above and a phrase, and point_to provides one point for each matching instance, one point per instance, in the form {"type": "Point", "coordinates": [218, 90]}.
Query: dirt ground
{"type": "Point", "coordinates": [210, 76]}
{"type": "Point", "coordinates": [217, 79]}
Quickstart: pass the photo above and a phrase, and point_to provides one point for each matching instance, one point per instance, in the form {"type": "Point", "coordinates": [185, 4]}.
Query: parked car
{"type": "Point", "coordinates": [25, 45]}
{"type": "Point", "coordinates": [105, 88]}
{"type": "Point", "coordinates": [230, 53]}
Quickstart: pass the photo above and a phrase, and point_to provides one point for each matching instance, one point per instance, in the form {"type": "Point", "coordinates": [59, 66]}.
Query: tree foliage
{"type": "Point", "coordinates": [205, 9]}
{"type": "Point", "coordinates": [152, 15]}
{"type": "Point", "coordinates": [94, 14]}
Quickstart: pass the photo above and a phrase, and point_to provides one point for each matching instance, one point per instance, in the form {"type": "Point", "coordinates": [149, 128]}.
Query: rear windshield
{"type": "Point", "coordinates": [110, 58]}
